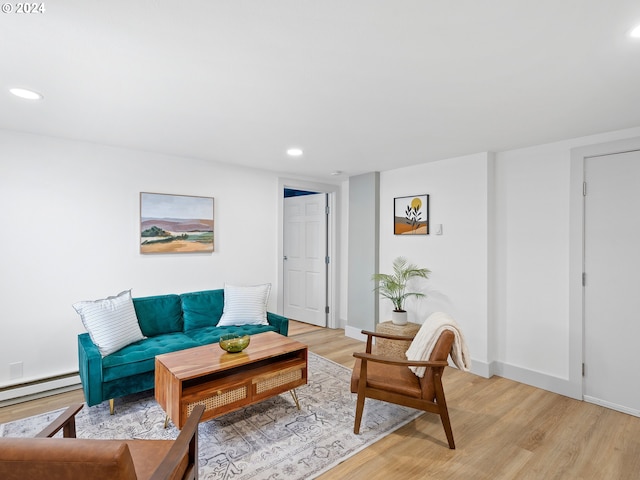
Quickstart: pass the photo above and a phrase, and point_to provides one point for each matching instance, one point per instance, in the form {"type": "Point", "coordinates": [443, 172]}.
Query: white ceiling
{"type": "Point", "coordinates": [360, 85]}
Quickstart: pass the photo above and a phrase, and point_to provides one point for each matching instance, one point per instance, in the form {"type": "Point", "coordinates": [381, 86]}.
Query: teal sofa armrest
{"type": "Point", "coordinates": [90, 368]}
{"type": "Point", "coordinates": [280, 322]}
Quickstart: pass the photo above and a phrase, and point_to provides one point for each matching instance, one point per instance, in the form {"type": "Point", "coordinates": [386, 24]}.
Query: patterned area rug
{"type": "Point", "coordinates": [272, 439]}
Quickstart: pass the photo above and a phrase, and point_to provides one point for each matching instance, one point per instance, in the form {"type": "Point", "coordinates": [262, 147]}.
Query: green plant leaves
{"type": "Point", "coordinates": [393, 286]}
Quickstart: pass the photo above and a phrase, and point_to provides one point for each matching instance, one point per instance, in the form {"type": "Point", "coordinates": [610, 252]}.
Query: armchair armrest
{"type": "Point", "coordinates": [66, 421]}
{"type": "Point", "coordinates": [396, 361]}
{"type": "Point", "coordinates": [370, 335]}
{"type": "Point", "coordinates": [186, 443]}
{"type": "Point", "coordinates": [387, 336]}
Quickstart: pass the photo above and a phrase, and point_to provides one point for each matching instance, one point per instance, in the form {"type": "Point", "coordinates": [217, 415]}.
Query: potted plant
{"type": "Point", "coordinates": [394, 286]}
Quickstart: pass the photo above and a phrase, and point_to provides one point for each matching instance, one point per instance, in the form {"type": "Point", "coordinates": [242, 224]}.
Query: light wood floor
{"type": "Point", "coordinates": [503, 430]}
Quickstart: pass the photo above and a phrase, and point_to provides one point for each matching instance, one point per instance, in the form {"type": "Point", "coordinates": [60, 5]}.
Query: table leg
{"type": "Point", "coordinates": [295, 397]}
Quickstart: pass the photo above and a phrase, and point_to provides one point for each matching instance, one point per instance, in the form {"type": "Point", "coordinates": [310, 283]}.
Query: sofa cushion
{"type": "Point", "coordinates": [202, 309]}
{"type": "Point", "coordinates": [207, 335]}
{"type": "Point", "coordinates": [140, 356]}
{"type": "Point", "coordinates": [245, 305]}
{"type": "Point", "coordinates": [111, 322]}
{"type": "Point", "coordinates": [159, 314]}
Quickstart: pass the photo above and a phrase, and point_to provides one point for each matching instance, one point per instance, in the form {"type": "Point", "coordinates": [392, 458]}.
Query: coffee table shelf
{"type": "Point", "coordinates": [223, 382]}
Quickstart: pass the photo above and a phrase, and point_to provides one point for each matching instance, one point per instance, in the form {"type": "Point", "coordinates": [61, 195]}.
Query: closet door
{"type": "Point", "coordinates": [612, 281]}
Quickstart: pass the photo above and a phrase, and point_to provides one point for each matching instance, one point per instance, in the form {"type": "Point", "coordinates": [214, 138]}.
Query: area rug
{"type": "Point", "coordinates": [272, 439]}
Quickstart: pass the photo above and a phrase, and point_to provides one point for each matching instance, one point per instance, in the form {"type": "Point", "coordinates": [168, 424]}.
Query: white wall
{"type": "Point", "coordinates": [458, 259]}
{"type": "Point", "coordinates": [532, 212]}
{"type": "Point", "coordinates": [535, 339]}
{"type": "Point", "coordinates": [70, 220]}
{"type": "Point", "coordinates": [70, 212]}
{"type": "Point", "coordinates": [502, 266]}
{"type": "Point", "coordinates": [364, 222]}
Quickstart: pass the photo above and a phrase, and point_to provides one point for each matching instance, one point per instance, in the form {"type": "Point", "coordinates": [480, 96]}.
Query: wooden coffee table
{"type": "Point", "coordinates": [224, 382]}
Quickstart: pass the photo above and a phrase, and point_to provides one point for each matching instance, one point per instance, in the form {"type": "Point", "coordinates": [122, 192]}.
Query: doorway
{"type": "Point", "coordinates": [305, 257]}
{"type": "Point", "coordinates": [308, 252]}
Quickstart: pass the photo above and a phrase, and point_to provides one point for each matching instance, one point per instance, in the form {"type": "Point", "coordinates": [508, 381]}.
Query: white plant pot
{"type": "Point", "coordinates": [399, 318]}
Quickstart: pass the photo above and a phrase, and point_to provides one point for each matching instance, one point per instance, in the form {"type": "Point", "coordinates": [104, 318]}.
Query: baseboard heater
{"type": "Point", "coordinates": [44, 387]}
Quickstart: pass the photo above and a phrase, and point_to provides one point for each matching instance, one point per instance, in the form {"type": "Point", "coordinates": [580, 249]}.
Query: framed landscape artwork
{"type": "Point", "coordinates": [175, 223]}
{"type": "Point", "coordinates": [411, 215]}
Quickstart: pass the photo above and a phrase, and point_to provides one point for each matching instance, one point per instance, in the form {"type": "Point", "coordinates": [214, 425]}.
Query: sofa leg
{"type": "Point", "coordinates": [111, 407]}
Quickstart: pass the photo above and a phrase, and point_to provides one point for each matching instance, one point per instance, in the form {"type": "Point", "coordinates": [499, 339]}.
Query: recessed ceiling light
{"type": "Point", "coordinates": [294, 152]}
{"type": "Point", "coordinates": [24, 93]}
{"type": "Point", "coordinates": [635, 33]}
{"type": "Point", "coordinates": [336, 173]}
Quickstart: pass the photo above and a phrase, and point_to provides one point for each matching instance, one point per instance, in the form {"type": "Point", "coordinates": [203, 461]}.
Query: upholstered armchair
{"type": "Point", "coordinates": [389, 379]}
{"type": "Point", "coordinates": [71, 458]}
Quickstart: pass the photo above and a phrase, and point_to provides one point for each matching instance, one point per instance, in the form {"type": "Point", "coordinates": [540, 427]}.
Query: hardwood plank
{"type": "Point", "coordinates": [503, 430]}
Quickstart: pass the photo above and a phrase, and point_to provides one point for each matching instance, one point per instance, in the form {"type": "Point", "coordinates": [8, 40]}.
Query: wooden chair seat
{"type": "Point", "coordinates": [391, 378]}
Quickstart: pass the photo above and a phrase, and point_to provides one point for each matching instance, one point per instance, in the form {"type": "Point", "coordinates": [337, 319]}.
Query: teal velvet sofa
{"type": "Point", "coordinates": [169, 323]}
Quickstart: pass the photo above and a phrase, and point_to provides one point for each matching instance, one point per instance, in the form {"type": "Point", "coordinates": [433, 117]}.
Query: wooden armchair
{"type": "Point", "coordinates": [389, 379]}
{"type": "Point", "coordinates": [71, 458]}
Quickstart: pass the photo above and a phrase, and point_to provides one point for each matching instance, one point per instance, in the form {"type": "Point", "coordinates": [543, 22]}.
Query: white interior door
{"type": "Point", "coordinates": [305, 253]}
{"type": "Point", "coordinates": [612, 283]}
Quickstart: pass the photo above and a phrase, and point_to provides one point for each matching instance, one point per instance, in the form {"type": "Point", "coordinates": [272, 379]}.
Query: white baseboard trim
{"type": "Point", "coordinates": [562, 386]}
{"type": "Point", "coordinates": [354, 332]}
{"type": "Point", "coordinates": [342, 323]}
{"type": "Point", "coordinates": [482, 369]}
{"type": "Point", "coordinates": [544, 381]}
{"type": "Point", "coordinates": [612, 406]}
{"type": "Point", "coordinates": [40, 389]}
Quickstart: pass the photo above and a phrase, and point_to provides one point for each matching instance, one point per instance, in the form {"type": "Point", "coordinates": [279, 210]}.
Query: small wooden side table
{"type": "Point", "coordinates": [395, 348]}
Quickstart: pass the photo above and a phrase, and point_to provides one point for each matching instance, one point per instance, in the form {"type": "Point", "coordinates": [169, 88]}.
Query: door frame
{"type": "Point", "coordinates": [576, 255]}
{"type": "Point", "coordinates": [333, 201]}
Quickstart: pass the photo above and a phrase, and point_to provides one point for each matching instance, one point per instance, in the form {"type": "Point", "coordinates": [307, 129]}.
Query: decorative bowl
{"type": "Point", "coordinates": [234, 343]}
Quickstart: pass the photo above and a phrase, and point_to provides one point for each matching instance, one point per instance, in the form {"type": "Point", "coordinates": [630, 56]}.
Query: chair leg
{"type": "Point", "coordinates": [111, 406]}
{"type": "Point", "coordinates": [69, 430]}
{"type": "Point", "coordinates": [359, 410]}
{"type": "Point", "coordinates": [362, 388]}
{"type": "Point", "coordinates": [444, 416]}
{"type": "Point", "coordinates": [444, 412]}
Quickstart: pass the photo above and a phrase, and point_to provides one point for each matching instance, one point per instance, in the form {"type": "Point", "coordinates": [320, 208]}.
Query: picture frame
{"type": "Point", "coordinates": [411, 215]}
{"type": "Point", "coordinates": [176, 223]}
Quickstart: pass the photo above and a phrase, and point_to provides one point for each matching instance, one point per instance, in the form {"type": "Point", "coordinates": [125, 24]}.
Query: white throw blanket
{"type": "Point", "coordinates": [426, 338]}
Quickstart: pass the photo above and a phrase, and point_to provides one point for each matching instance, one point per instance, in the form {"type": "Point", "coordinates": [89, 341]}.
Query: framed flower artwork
{"type": "Point", "coordinates": [411, 215]}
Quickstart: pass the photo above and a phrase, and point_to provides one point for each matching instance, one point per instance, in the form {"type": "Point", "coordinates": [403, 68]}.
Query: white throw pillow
{"type": "Point", "coordinates": [111, 322]}
{"type": "Point", "coordinates": [245, 305]}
